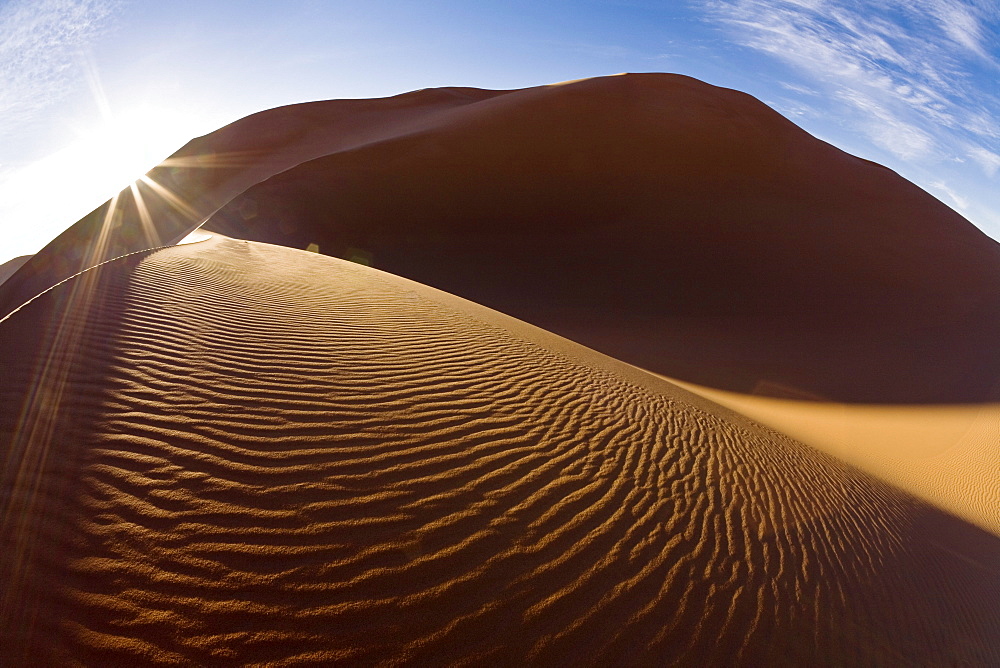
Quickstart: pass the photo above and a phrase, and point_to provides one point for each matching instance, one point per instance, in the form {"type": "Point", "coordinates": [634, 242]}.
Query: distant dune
{"type": "Point", "coordinates": [235, 451]}
{"type": "Point", "coordinates": [10, 266]}
{"type": "Point", "coordinates": [719, 243]}
{"type": "Point", "coordinates": [945, 454]}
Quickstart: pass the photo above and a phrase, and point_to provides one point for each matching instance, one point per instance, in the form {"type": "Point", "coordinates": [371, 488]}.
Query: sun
{"type": "Point", "coordinates": [56, 191]}
{"type": "Point", "coordinates": [130, 143]}
{"type": "Point", "coordinates": [125, 147]}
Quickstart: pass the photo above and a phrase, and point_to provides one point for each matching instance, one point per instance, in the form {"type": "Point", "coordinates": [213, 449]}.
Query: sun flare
{"type": "Point", "coordinates": [103, 160]}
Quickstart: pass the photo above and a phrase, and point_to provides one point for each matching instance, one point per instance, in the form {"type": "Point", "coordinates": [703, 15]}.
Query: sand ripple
{"type": "Point", "coordinates": [245, 454]}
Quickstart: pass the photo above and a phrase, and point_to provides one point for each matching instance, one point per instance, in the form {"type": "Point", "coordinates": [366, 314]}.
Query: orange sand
{"type": "Point", "coordinates": [947, 455]}
{"type": "Point", "coordinates": [228, 452]}
{"type": "Point", "coordinates": [682, 227]}
{"type": "Point", "coordinates": [242, 453]}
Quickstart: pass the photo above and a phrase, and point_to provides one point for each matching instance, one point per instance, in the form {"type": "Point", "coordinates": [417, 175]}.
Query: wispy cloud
{"type": "Point", "coordinates": [948, 194]}
{"type": "Point", "coordinates": [988, 160]}
{"type": "Point", "coordinates": [961, 23]}
{"type": "Point", "coordinates": [40, 46]}
{"type": "Point", "coordinates": [910, 72]}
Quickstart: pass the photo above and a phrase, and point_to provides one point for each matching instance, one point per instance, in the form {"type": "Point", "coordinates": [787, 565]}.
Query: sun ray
{"type": "Point", "coordinates": [145, 219]}
{"type": "Point", "coordinates": [27, 467]}
{"type": "Point", "coordinates": [212, 160]}
{"type": "Point", "coordinates": [112, 219]}
{"type": "Point", "coordinates": [172, 199]}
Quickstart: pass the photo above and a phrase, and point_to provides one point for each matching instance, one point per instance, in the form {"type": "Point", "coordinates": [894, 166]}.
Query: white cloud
{"type": "Point", "coordinates": [907, 83]}
{"type": "Point", "coordinates": [983, 124]}
{"type": "Point", "coordinates": [40, 43]}
{"type": "Point", "coordinates": [801, 90]}
{"type": "Point", "coordinates": [988, 160]}
{"type": "Point", "coordinates": [961, 23]}
{"type": "Point", "coordinates": [958, 202]}
{"type": "Point", "coordinates": [885, 129]}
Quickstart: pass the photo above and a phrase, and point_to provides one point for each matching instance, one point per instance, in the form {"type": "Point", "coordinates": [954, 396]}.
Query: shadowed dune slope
{"type": "Point", "coordinates": [10, 266]}
{"type": "Point", "coordinates": [233, 453]}
{"type": "Point", "coordinates": [681, 227]}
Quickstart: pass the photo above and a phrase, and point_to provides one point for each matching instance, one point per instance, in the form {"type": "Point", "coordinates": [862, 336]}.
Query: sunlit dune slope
{"type": "Point", "coordinates": [685, 228]}
{"type": "Point", "coordinates": [947, 455]}
{"type": "Point", "coordinates": [228, 452]}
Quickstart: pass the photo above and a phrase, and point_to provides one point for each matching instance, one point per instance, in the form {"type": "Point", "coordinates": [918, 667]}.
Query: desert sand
{"type": "Point", "coordinates": [237, 452]}
{"type": "Point", "coordinates": [945, 454]}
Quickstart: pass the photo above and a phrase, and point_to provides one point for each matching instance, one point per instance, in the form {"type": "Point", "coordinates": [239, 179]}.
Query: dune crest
{"type": "Point", "coordinates": [718, 242]}
{"type": "Point", "coordinates": [8, 268]}
{"type": "Point", "coordinates": [255, 454]}
{"type": "Point", "coordinates": [681, 227]}
{"type": "Point", "coordinates": [227, 452]}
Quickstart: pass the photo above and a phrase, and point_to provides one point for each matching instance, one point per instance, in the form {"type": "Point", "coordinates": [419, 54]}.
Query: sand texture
{"type": "Point", "coordinates": [231, 453]}
{"type": "Point", "coordinates": [237, 452]}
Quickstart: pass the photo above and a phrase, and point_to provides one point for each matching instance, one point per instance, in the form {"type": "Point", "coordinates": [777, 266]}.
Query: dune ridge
{"type": "Point", "coordinates": [681, 227]}
{"type": "Point", "coordinates": [721, 244]}
{"type": "Point", "coordinates": [253, 454]}
{"type": "Point", "coordinates": [180, 194]}
{"type": "Point", "coordinates": [8, 268]}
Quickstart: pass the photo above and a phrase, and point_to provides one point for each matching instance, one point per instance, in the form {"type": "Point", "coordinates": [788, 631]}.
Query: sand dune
{"type": "Point", "coordinates": [181, 193]}
{"type": "Point", "coordinates": [8, 268]}
{"type": "Point", "coordinates": [240, 453]}
{"type": "Point", "coordinates": [684, 228]}
{"type": "Point", "coordinates": [947, 455]}
{"type": "Point", "coordinates": [228, 452]}
{"type": "Point", "coordinates": [719, 243]}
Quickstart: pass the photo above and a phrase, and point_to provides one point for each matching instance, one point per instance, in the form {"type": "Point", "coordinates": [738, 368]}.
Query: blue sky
{"type": "Point", "coordinates": [95, 92]}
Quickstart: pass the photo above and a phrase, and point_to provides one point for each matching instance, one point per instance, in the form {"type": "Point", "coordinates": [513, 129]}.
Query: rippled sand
{"type": "Point", "coordinates": [235, 453]}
